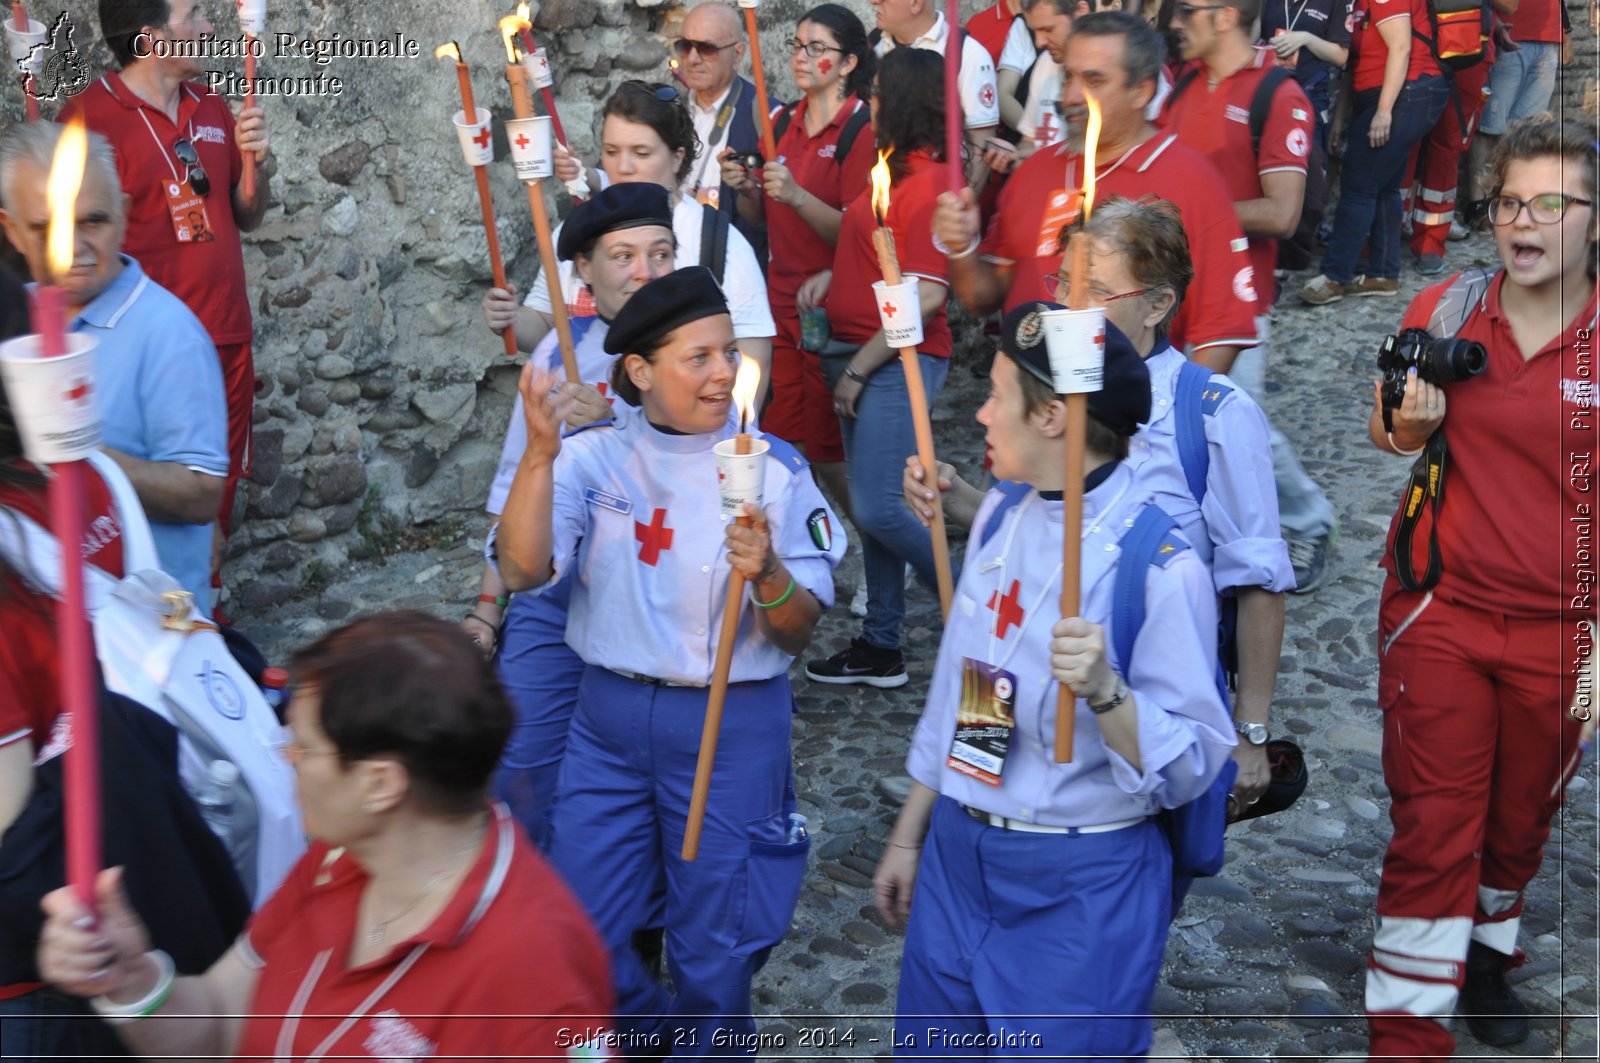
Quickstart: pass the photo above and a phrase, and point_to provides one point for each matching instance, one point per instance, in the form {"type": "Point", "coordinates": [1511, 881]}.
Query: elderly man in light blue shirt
{"type": "Point", "coordinates": [161, 398]}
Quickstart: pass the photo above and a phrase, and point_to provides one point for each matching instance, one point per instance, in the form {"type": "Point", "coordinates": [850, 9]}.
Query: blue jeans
{"type": "Point", "coordinates": [50, 1024]}
{"type": "Point", "coordinates": [1520, 85]}
{"type": "Point", "coordinates": [876, 445]}
{"type": "Point", "coordinates": [1368, 214]}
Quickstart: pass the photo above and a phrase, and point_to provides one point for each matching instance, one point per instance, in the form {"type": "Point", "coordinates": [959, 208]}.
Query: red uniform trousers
{"type": "Point", "coordinates": [801, 407]}
{"type": "Point", "coordinates": [1477, 748]}
{"type": "Point", "coordinates": [1438, 162]}
{"type": "Point", "coordinates": [239, 385]}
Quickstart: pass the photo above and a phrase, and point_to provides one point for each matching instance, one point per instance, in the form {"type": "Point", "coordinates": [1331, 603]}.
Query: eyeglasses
{"type": "Point", "coordinates": [291, 749]}
{"type": "Point", "coordinates": [815, 49]}
{"type": "Point", "coordinates": [191, 159]}
{"type": "Point", "coordinates": [1184, 11]}
{"type": "Point", "coordinates": [683, 46]}
{"type": "Point", "coordinates": [1060, 290]}
{"type": "Point", "coordinates": [664, 93]}
{"type": "Point", "coordinates": [1546, 209]}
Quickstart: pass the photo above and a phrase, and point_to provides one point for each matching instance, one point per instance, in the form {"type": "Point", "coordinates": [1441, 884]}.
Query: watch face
{"type": "Point", "coordinates": [1254, 733]}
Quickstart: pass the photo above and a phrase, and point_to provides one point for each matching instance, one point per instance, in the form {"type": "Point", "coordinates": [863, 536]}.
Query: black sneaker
{"type": "Point", "coordinates": [862, 662]}
{"type": "Point", "coordinates": [1494, 1014]}
{"type": "Point", "coordinates": [1309, 558]}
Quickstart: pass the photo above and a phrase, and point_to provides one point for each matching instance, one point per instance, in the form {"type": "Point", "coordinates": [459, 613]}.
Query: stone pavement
{"type": "Point", "coordinates": [1266, 960]}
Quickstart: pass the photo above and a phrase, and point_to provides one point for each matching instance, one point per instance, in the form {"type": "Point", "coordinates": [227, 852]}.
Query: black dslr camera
{"type": "Point", "coordinates": [1436, 361]}
{"type": "Point", "coordinates": [750, 160]}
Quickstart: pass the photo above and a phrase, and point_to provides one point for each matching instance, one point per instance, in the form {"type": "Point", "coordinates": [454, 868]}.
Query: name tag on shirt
{"type": "Point", "coordinates": [1060, 210]}
{"type": "Point", "coordinates": [188, 212]}
{"type": "Point", "coordinates": [984, 722]}
{"type": "Point", "coordinates": [605, 501]}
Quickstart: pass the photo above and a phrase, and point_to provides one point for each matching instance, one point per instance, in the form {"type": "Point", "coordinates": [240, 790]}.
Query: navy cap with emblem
{"type": "Point", "coordinates": [1123, 402]}
{"type": "Point", "coordinates": [682, 296]}
{"type": "Point", "coordinates": [624, 206]}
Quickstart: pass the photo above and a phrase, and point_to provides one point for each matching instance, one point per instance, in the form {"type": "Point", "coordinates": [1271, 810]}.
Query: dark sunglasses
{"type": "Point", "coordinates": [683, 46]}
{"type": "Point", "coordinates": [664, 93]}
{"type": "Point", "coordinates": [191, 160]}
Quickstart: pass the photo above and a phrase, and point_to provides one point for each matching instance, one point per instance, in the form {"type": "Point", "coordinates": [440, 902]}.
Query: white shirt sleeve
{"type": "Point", "coordinates": [980, 97]}
{"type": "Point", "coordinates": [538, 295]}
{"type": "Point", "coordinates": [746, 290]}
{"type": "Point", "coordinates": [1019, 52]}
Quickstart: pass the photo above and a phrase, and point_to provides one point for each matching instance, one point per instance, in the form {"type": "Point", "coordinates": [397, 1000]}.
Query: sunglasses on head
{"type": "Point", "coordinates": [664, 93]}
{"type": "Point", "coordinates": [191, 161]}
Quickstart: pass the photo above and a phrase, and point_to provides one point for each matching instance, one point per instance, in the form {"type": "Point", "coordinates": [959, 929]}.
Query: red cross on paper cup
{"type": "Point", "coordinates": [1076, 340]}
{"type": "Point", "coordinates": [899, 310]}
{"type": "Point", "coordinates": [741, 478]}
{"type": "Point", "coordinates": [530, 148]}
{"type": "Point", "coordinates": [477, 139]}
{"type": "Point", "coordinates": [52, 399]}
{"type": "Point", "coordinates": [252, 15]}
{"type": "Point", "coordinates": [79, 392]}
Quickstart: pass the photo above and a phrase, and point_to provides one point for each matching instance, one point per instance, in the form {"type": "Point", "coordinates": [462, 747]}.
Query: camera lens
{"type": "Point", "coordinates": [1450, 360]}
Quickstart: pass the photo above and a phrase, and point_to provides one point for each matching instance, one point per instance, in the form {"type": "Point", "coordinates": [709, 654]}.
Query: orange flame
{"type": "Point", "coordinates": [448, 50]}
{"type": "Point", "coordinates": [880, 186]}
{"type": "Point", "coordinates": [1091, 138]}
{"type": "Point", "coordinates": [745, 386]}
{"type": "Point", "coordinates": [509, 27]}
{"type": "Point", "coordinates": [66, 177]}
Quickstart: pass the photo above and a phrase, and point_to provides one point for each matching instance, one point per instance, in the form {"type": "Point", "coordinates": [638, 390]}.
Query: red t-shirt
{"type": "Point", "coordinates": [1517, 528]}
{"type": "Point", "coordinates": [510, 969]}
{"type": "Point", "coordinates": [1371, 53]}
{"type": "Point", "coordinates": [1216, 123]}
{"type": "Point", "coordinates": [799, 251]}
{"type": "Point", "coordinates": [207, 275]}
{"type": "Point", "coordinates": [1221, 305]}
{"type": "Point", "coordinates": [991, 26]}
{"type": "Point", "coordinates": [852, 309]}
{"type": "Point", "coordinates": [1535, 21]}
{"type": "Point", "coordinates": [30, 697]}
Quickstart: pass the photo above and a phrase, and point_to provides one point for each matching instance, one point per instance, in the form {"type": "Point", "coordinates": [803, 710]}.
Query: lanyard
{"type": "Point", "coordinates": [1290, 23]}
{"type": "Point", "coordinates": [163, 148]}
{"type": "Point", "coordinates": [718, 129]}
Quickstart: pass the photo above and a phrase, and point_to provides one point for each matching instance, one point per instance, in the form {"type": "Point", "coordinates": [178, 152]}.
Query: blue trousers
{"type": "Point", "coordinates": [876, 445]}
{"type": "Point", "coordinates": [621, 807]}
{"type": "Point", "coordinates": [1368, 214]}
{"type": "Point", "coordinates": [540, 674]}
{"type": "Point", "coordinates": [1043, 946]}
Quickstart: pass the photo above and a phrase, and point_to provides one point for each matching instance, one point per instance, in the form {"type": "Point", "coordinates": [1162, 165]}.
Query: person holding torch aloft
{"type": "Point", "coordinates": [632, 512]}
{"type": "Point", "coordinates": [1044, 889]}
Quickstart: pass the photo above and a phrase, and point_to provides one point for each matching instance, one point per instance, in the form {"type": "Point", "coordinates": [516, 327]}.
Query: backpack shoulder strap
{"type": "Point", "coordinates": [1193, 401]}
{"type": "Point", "coordinates": [858, 120]}
{"type": "Point", "coordinates": [1261, 104]}
{"type": "Point", "coordinates": [1177, 89]}
{"type": "Point", "coordinates": [1461, 296]}
{"type": "Point", "coordinates": [714, 241]}
{"type": "Point", "coordinates": [1011, 493]}
{"type": "Point", "coordinates": [1153, 540]}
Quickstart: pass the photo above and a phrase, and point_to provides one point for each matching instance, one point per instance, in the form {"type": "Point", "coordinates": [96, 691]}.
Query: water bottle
{"type": "Point", "coordinates": [275, 688]}
{"type": "Point", "coordinates": [216, 800]}
{"type": "Point", "coordinates": [797, 828]}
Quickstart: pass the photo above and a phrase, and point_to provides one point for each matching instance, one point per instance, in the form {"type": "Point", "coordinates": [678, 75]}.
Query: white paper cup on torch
{"type": "Point", "coordinates": [741, 478]}
{"type": "Point", "coordinates": [1076, 341]}
{"type": "Point", "coordinates": [900, 311]}
{"type": "Point", "coordinates": [750, 3]}
{"type": "Point", "coordinates": [53, 399]}
{"type": "Point", "coordinates": [531, 153]}
{"type": "Point", "coordinates": [477, 139]}
{"type": "Point", "coordinates": [22, 43]}
{"type": "Point", "coordinates": [538, 66]}
{"type": "Point", "coordinates": [253, 16]}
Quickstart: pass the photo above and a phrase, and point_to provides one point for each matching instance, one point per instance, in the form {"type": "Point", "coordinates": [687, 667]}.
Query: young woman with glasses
{"type": "Point", "coordinates": [824, 157]}
{"type": "Point", "coordinates": [1486, 671]}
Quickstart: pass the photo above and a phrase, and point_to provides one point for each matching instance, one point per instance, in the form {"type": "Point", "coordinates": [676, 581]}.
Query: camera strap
{"type": "Point", "coordinates": [1423, 499]}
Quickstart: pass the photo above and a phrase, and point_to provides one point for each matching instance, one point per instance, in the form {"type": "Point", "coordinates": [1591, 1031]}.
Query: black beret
{"type": "Point", "coordinates": [1123, 402]}
{"type": "Point", "coordinates": [618, 207]}
{"type": "Point", "coordinates": [682, 296]}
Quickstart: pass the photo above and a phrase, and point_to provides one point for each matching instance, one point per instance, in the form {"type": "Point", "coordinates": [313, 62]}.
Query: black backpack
{"type": "Point", "coordinates": [1297, 251]}
{"type": "Point", "coordinates": [853, 126]}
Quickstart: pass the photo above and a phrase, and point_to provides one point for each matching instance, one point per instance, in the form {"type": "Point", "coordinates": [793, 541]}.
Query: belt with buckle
{"type": "Point", "coordinates": [995, 820]}
{"type": "Point", "coordinates": [650, 680]}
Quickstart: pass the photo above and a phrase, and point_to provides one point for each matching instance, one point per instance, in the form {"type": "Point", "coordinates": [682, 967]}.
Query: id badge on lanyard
{"type": "Point", "coordinates": [186, 208]}
{"type": "Point", "coordinates": [985, 718]}
{"type": "Point", "coordinates": [1060, 210]}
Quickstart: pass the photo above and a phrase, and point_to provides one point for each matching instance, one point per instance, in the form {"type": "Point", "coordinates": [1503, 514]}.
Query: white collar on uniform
{"type": "Point", "coordinates": [716, 103]}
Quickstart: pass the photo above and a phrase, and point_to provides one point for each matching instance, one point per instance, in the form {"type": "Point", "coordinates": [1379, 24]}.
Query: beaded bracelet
{"type": "Point", "coordinates": [146, 1005]}
{"type": "Point", "coordinates": [773, 605]}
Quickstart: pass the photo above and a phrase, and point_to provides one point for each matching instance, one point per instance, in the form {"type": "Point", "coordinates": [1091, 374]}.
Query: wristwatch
{"type": "Point", "coordinates": [1254, 733]}
{"type": "Point", "coordinates": [1119, 694]}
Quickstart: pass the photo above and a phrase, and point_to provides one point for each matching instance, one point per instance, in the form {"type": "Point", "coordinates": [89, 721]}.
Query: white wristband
{"type": "Point", "coordinates": [1400, 450]}
{"type": "Point", "coordinates": [146, 1005]}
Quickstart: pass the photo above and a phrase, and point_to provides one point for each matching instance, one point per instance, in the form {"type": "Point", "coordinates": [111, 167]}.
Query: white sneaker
{"type": "Point", "coordinates": [1458, 232]}
{"type": "Point", "coordinates": [858, 602]}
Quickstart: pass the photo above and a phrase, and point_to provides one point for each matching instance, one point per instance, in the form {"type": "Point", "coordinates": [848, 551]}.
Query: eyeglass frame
{"type": "Point", "coordinates": [684, 45]}
{"type": "Point", "coordinates": [1527, 204]}
{"type": "Point", "coordinates": [196, 174]}
{"type": "Point", "coordinates": [813, 49]}
{"type": "Point", "coordinates": [1053, 282]}
{"type": "Point", "coordinates": [664, 93]}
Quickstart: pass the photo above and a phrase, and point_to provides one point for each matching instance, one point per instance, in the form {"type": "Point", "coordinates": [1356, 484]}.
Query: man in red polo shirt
{"type": "Point", "coordinates": [992, 25]}
{"type": "Point", "coordinates": [1210, 109]}
{"type": "Point", "coordinates": [1116, 58]}
{"type": "Point", "coordinates": [179, 156]}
